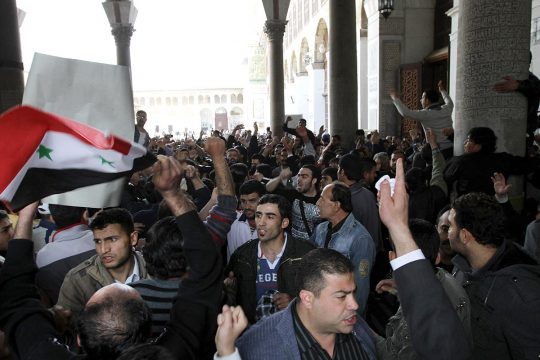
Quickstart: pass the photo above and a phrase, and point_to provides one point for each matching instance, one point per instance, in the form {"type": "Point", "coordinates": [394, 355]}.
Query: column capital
{"type": "Point", "coordinates": [275, 29]}
{"type": "Point", "coordinates": [122, 33]}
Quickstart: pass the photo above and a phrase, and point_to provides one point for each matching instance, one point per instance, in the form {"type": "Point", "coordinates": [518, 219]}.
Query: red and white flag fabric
{"type": "Point", "coordinates": [44, 154]}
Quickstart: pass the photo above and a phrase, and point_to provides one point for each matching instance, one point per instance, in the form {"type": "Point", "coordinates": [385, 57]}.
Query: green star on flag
{"type": "Point", "coordinates": [105, 161]}
{"type": "Point", "coordinates": [44, 151]}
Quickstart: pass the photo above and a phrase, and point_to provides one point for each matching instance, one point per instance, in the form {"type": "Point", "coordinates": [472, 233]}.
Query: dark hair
{"type": "Point", "coordinates": [482, 216]}
{"type": "Point", "coordinates": [360, 132]}
{"type": "Point", "coordinates": [441, 212]}
{"type": "Point", "coordinates": [239, 171]}
{"type": "Point", "coordinates": [336, 137]}
{"type": "Point", "coordinates": [307, 160]}
{"type": "Point", "coordinates": [283, 204]}
{"type": "Point", "coordinates": [415, 178]}
{"type": "Point", "coordinates": [350, 164]}
{"type": "Point", "coordinates": [140, 112]}
{"type": "Point", "coordinates": [426, 237]}
{"type": "Point", "coordinates": [317, 263]}
{"type": "Point", "coordinates": [3, 215]}
{"type": "Point", "coordinates": [366, 165]}
{"type": "Point", "coordinates": [113, 216]}
{"type": "Point", "coordinates": [64, 215]}
{"type": "Point", "coordinates": [342, 193]}
{"type": "Point", "coordinates": [242, 151]}
{"type": "Point", "coordinates": [107, 327]}
{"type": "Point", "coordinates": [265, 170]}
{"type": "Point", "coordinates": [330, 171]}
{"type": "Point", "coordinates": [259, 157]}
{"type": "Point", "coordinates": [485, 137]}
{"type": "Point", "coordinates": [432, 95]}
{"type": "Point", "coordinates": [315, 172]}
{"type": "Point", "coordinates": [252, 186]}
{"type": "Point", "coordinates": [164, 250]}
{"type": "Point", "coordinates": [146, 352]}
{"type": "Point", "coordinates": [327, 156]}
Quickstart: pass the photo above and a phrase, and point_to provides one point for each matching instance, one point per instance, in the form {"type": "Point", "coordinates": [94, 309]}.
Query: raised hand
{"type": "Point", "coordinates": [499, 184]}
{"type": "Point", "coordinates": [215, 146]}
{"type": "Point", "coordinates": [394, 212]}
{"type": "Point", "coordinates": [231, 322]}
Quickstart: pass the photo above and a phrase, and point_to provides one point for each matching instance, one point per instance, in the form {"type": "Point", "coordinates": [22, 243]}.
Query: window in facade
{"type": "Point", "coordinates": [143, 101]}
{"type": "Point", "coordinates": [216, 99]}
{"type": "Point", "coordinates": [233, 99]}
{"type": "Point", "coordinates": [200, 99]}
{"type": "Point", "coordinates": [240, 99]}
{"type": "Point", "coordinates": [158, 101]}
{"type": "Point", "coordinates": [175, 101]}
{"type": "Point", "coordinates": [224, 99]}
{"type": "Point", "coordinates": [191, 100]}
{"type": "Point", "coordinates": [184, 100]}
{"type": "Point", "coordinates": [168, 101]}
{"type": "Point", "coordinates": [152, 101]}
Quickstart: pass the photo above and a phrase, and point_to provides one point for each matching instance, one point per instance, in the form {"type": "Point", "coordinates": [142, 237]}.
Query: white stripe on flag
{"type": "Point", "coordinates": [69, 152]}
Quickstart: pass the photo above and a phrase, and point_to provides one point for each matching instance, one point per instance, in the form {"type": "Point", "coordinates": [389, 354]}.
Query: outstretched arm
{"type": "Point", "coordinates": [196, 306]}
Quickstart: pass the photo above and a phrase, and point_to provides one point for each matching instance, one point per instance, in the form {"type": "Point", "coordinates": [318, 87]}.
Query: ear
{"type": "Point", "coordinates": [134, 238]}
{"type": "Point", "coordinates": [306, 298]}
{"type": "Point", "coordinates": [465, 236]}
{"type": "Point", "coordinates": [391, 255]}
{"type": "Point", "coordinates": [284, 223]}
{"type": "Point", "coordinates": [78, 341]}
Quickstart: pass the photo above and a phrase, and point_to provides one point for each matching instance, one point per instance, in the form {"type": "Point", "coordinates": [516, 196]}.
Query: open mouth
{"type": "Point", "coordinates": [350, 320]}
{"type": "Point", "coordinates": [107, 259]}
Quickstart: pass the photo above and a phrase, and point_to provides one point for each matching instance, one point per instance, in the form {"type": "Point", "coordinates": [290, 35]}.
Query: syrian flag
{"type": "Point", "coordinates": [44, 154]}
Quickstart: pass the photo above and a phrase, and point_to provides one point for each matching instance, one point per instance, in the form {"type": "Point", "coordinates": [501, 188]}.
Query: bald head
{"type": "Point", "coordinates": [118, 292]}
{"type": "Point", "coordinates": [115, 317]}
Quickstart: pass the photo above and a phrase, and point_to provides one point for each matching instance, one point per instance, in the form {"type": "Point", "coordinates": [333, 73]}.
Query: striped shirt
{"type": "Point", "coordinates": [159, 296]}
{"type": "Point", "coordinates": [346, 346]}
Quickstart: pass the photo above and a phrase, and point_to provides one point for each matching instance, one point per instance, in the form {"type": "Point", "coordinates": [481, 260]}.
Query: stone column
{"type": "Point", "coordinates": [274, 30]}
{"type": "Point", "coordinates": [493, 41]}
{"type": "Point", "coordinates": [122, 37]}
{"type": "Point", "coordinates": [11, 65]}
{"type": "Point", "coordinates": [343, 83]}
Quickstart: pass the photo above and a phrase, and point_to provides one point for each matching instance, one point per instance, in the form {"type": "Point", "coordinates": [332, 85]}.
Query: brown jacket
{"type": "Point", "coordinates": [85, 279]}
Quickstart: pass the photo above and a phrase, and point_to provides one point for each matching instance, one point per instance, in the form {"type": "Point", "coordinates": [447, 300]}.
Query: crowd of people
{"type": "Point", "coordinates": [251, 246]}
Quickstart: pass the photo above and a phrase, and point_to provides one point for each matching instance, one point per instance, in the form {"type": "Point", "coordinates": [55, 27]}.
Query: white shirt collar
{"type": "Point", "coordinates": [278, 256]}
{"type": "Point", "coordinates": [135, 275]}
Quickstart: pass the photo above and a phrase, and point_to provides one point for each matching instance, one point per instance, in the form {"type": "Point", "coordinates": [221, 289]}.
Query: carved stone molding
{"type": "Point", "coordinates": [275, 29]}
{"type": "Point", "coordinates": [392, 26]}
{"type": "Point", "coordinates": [122, 33]}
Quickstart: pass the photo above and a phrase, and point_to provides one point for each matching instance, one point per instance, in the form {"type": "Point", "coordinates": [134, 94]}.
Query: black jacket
{"type": "Point", "coordinates": [243, 264]}
{"type": "Point", "coordinates": [505, 304]}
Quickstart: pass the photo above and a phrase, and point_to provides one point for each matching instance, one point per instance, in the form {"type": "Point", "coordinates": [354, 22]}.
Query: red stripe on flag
{"type": "Point", "coordinates": [22, 129]}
